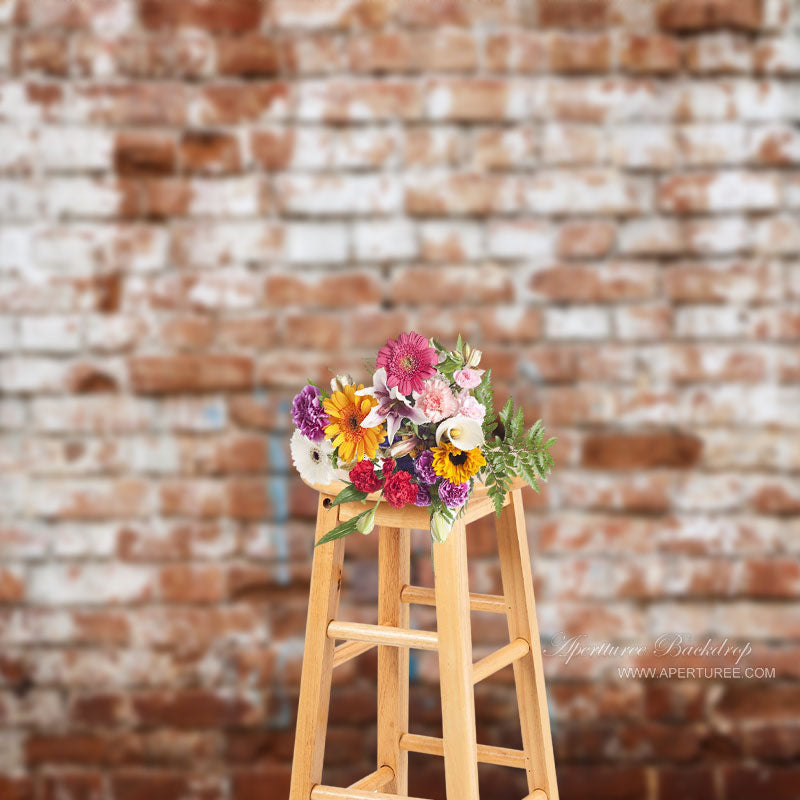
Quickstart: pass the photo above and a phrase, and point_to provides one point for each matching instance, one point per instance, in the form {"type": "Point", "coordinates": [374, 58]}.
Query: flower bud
{"type": "Point", "coordinates": [366, 522]}
{"type": "Point", "coordinates": [440, 528]}
{"type": "Point", "coordinates": [474, 358]}
{"type": "Point", "coordinates": [340, 381]}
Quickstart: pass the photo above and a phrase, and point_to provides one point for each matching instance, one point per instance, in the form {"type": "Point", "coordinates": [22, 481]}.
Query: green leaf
{"type": "Point", "coordinates": [348, 495]}
{"type": "Point", "coordinates": [343, 529]}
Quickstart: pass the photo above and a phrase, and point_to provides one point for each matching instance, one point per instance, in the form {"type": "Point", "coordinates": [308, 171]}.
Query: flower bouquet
{"type": "Point", "coordinates": [423, 433]}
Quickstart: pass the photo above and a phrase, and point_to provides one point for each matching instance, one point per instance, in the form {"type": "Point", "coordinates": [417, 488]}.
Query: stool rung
{"type": "Point", "coordinates": [375, 780]}
{"type": "Point", "coordinates": [419, 595]}
{"type": "Point", "coordinates": [494, 662]}
{"type": "Point", "coordinates": [384, 635]}
{"type": "Point", "coordinates": [536, 794]}
{"type": "Point", "coordinates": [487, 754]}
{"type": "Point", "coordinates": [348, 651]}
{"type": "Point", "coordinates": [332, 793]}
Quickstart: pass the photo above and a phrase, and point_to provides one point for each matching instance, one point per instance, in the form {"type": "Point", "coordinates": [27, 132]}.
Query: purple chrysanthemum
{"type": "Point", "coordinates": [308, 414]}
{"type": "Point", "coordinates": [453, 495]}
{"type": "Point", "coordinates": [423, 497]}
{"type": "Point", "coordinates": [423, 466]}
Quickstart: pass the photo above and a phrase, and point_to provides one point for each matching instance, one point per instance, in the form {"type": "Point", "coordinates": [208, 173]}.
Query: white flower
{"type": "Point", "coordinates": [463, 432]}
{"type": "Point", "coordinates": [312, 460]}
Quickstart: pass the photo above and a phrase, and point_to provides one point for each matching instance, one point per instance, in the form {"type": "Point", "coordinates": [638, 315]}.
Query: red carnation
{"type": "Point", "coordinates": [364, 478]}
{"type": "Point", "coordinates": [399, 490]}
{"type": "Point", "coordinates": [388, 467]}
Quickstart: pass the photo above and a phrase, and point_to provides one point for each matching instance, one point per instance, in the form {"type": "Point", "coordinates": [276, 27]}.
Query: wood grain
{"type": "Point", "coordinates": [515, 569]}
{"type": "Point", "coordinates": [315, 680]}
{"type": "Point", "coordinates": [455, 665]}
{"type": "Point", "coordinates": [394, 572]}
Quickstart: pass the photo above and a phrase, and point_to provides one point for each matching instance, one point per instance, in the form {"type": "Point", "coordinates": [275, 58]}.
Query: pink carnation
{"type": "Point", "coordinates": [437, 400]}
{"type": "Point", "coordinates": [467, 378]}
{"type": "Point", "coordinates": [468, 406]}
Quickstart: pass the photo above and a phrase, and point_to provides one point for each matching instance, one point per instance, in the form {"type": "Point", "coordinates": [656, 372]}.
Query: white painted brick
{"type": "Point", "coordinates": [309, 242]}
{"type": "Point", "coordinates": [577, 323]}
{"type": "Point", "coordinates": [51, 334]}
{"type": "Point", "coordinates": [384, 240]}
{"type": "Point", "coordinates": [522, 239]}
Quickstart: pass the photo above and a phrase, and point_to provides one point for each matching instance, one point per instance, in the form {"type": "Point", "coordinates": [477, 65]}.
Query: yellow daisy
{"type": "Point", "coordinates": [346, 412]}
{"type": "Point", "coordinates": [456, 466]}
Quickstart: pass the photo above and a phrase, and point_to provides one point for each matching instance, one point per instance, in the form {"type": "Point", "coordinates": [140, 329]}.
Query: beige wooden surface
{"type": "Point", "coordinates": [455, 665]}
{"type": "Point", "coordinates": [394, 572]}
{"type": "Point", "coordinates": [515, 569]}
{"type": "Point", "coordinates": [315, 680]}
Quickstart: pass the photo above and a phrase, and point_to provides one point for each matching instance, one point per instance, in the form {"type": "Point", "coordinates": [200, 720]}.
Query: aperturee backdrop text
{"type": "Point", "coordinates": [421, 434]}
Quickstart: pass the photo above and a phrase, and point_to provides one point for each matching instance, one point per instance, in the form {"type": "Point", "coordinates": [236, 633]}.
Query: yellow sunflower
{"type": "Point", "coordinates": [456, 466]}
{"type": "Point", "coordinates": [346, 412]}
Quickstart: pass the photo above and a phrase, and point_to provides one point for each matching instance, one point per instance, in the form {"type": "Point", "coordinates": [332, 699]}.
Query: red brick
{"type": "Point", "coordinates": [40, 52]}
{"type": "Point", "coordinates": [588, 284]}
{"type": "Point", "coordinates": [657, 54]}
{"type": "Point", "coordinates": [140, 153]}
{"type": "Point", "coordinates": [574, 13]}
{"type": "Point", "coordinates": [776, 783]}
{"type": "Point", "coordinates": [12, 585]}
{"type": "Point", "coordinates": [73, 786]}
{"type": "Point", "coordinates": [272, 149]}
{"type": "Point", "coordinates": [602, 782]}
{"type": "Point", "coordinates": [517, 51]}
{"type": "Point", "coordinates": [196, 708]}
{"type": "Point", "coordinates": [16, 788]}
{"type": "Point", "coordinates": [641, 451]}
{"type": "Point", "coordinates": [232, 104]}
{"type": "Point", "coordinates": [704, 14]}
{"type": "Point", "coordinates": [192, 584]}
{"type": "Point", "coordinates": [159, 374]}
{"type": "Point", "coordinates": [210, 152]}
{"type": "Point", "coordinates": [232, 16]}
{"type": "Point", "coordinates": [61, 749]}
{"type": "Point", "coordinates": [586, 239]}
{"type": "Point", "coordinates": [580, 53]}
{"type": "Point", "coordinates": [156, 104]}
{"type": "Point", "coordinates": [248, 56]}
{"type": "Point", "coordinates": [249, 784]}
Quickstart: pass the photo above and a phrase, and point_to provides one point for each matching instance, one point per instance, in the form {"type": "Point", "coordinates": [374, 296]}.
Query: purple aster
{"type": "Point", "coordinates": [453, 495]}
{"type": "Point", "coordinates": [423, 466]}
{"type": "Point", "coordinates": [423, 498]}
{"type": "Point", "coordinates": [308, 414]}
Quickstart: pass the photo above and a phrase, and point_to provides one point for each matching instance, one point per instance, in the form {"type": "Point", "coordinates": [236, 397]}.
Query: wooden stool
{"type": "Point", "coordinates": [452, 640]}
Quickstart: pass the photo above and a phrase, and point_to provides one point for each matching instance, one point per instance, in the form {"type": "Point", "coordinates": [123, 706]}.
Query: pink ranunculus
{"type": "Point", "coordinates": [468, 406]}
{"type": "Point", "coordinates": [468, 378]}
{"type": "Point", "coordinates": [437, 400]}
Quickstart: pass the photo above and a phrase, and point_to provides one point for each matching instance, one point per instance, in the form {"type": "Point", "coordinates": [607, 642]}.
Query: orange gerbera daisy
{"type": "Point", "coordinates": [346, 412]}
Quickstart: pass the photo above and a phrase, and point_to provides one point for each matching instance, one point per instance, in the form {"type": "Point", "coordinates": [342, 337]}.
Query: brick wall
{"type": "Point", "coordinates": [206, 201]}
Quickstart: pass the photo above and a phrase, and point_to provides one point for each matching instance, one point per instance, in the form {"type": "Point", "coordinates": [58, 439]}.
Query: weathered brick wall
{"type": "Point", "coordinates": [206, 201]}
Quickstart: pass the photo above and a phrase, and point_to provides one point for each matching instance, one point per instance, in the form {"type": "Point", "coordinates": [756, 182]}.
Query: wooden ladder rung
{"type": "Point", "coordinates": [375, 780]}
{"type": "Point", "coordinates": [494, 662]}
{"type": "Point", "coordinates": [320, 792]}
{"type": "Point", "coordinates": [419, 595]}
{"type": "Point", "coordinates": [383, 635]}
{"type": "Point", "coordinates": [536, 794]}
{"type": "Point", "coordinates": [348, 651]}
{"type": "Point", "coordinates": [487, 754]}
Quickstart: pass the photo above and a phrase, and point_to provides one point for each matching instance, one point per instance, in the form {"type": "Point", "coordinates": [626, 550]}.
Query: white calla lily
{"type": "Point", "coordinates": [463, 432]}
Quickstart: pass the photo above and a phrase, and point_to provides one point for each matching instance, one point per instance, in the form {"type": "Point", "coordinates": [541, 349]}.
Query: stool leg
{"type": "Point", "coordinates": [455, 665]}
{"type": "Point", "coordinates": [515, 567]}
{"type": "Point", "coordinates": [315, 682]}
{"type": "Point", "coordinates": [394, 572]}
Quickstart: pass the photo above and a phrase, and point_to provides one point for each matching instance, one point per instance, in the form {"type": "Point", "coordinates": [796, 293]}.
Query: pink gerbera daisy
{"type": "Point", "coordinates": [408, 360]}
